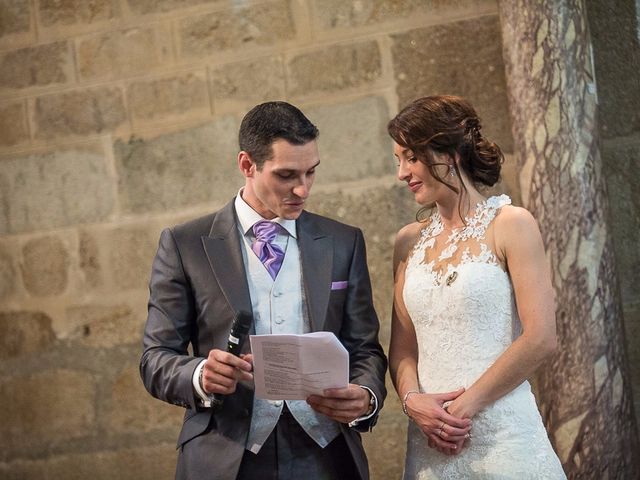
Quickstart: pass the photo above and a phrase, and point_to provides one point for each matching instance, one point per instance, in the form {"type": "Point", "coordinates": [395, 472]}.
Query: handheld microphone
{"type": "Point", "coordinates": [237, 336]}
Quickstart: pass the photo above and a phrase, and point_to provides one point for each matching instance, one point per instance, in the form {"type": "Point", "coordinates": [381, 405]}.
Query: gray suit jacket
{"type": "Point", "coordinates": [198, 283]}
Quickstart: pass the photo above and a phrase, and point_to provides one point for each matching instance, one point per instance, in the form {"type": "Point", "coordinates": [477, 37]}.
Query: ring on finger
{"type": "Point", "coordinates": [440, 432]}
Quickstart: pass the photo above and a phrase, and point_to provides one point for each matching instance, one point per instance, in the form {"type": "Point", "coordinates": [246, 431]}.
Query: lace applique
{"type": "Point", "coordinates": [475, 229]}
{"type": "Point", "coordinates": [485, 256]}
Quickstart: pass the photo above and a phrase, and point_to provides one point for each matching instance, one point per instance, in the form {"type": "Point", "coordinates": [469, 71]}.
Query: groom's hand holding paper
{"type": "Point", "coordinates": [293, 367]}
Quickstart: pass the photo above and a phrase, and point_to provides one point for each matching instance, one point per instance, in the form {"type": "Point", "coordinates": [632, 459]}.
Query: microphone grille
{"type": "Point", "coordinates": [242, 322]}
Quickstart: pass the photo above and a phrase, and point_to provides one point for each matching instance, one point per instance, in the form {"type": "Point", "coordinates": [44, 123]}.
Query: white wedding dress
{"type": "Point", "coordinates": [462, 305]}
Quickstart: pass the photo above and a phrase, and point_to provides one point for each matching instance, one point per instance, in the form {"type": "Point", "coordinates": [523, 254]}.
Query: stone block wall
{"type": "Point", "coordinates": [120, 117]}
{"type": "Point", "coordinates": [616, 69]}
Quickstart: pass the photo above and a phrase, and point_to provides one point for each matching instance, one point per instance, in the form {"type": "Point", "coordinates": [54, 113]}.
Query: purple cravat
{"type": "Point", "coordinates": [270, 254]}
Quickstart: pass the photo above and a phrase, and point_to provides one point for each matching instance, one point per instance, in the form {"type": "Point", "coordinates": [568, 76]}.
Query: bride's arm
{"type": "Point", "coordinates": [519, 244]}
{"type": "Point", "coordinates": [403, 348]}
{"type": "Point", "coordinates": [425, 409]}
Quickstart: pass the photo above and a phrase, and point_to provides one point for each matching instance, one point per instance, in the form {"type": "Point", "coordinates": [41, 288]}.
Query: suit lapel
{"type": "Point", "coordinates": [223, 249]}
{"type": "Point", "coordinates": [316, 255]}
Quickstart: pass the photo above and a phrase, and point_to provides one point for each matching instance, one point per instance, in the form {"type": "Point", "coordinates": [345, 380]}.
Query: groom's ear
{"type": "Point", "coordinates": [246, 165]}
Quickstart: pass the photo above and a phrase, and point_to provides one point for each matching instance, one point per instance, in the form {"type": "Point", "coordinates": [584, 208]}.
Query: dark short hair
{"type": "Point", "coordinates": [270, 121]}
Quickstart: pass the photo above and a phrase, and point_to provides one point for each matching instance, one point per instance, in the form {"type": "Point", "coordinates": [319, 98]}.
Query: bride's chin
{"type": "Point", "coordinates": [423, 200]}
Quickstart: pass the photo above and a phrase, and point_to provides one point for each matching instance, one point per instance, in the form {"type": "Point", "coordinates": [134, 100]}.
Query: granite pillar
{"type": "Point", "coordinates": [584, 391]}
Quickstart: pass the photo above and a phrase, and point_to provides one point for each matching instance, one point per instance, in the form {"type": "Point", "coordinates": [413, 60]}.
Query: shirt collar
{"type": "Point", "coordinates": [247, 217]}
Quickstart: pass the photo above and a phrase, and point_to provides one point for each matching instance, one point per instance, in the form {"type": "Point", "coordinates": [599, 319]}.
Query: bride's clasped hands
{"type": "Point", "coordinates": [446, 431]}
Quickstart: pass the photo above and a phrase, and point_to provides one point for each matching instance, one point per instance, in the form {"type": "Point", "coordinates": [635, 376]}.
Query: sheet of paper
{"type": "Point", "coordinates": [292, 367]}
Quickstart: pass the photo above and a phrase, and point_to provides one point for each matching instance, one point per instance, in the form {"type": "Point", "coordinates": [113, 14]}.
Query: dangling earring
{"type": "Point", "coordinates": [452, 170]}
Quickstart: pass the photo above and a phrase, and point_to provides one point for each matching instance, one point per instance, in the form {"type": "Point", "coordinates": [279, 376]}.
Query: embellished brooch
{"type": "Point", "coordinates": [451, 278]}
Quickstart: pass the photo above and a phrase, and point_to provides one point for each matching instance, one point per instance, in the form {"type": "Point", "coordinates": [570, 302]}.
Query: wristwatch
{"type": "Point", "coordinates": [372, 404]}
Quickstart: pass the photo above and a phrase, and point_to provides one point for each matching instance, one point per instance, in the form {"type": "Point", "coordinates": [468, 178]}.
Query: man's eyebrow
{"type": "Point", "coordinates": [294, 170]}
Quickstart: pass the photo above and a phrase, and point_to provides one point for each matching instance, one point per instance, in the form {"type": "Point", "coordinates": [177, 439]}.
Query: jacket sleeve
{"type": "Point", "coordinates": [166, 367]}
{"type": "Point", "coordinates": [359, 332]}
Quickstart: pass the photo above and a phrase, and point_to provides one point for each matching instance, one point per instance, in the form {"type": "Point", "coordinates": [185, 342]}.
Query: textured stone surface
{"type": "Point", "coordinates": [254, 81]}
{"type": "Point", "coordinates": [45, 265]}
{"type": "Point", "coordinates": [14, 17]}
{"type": "Point", "coordinates": [612, 25]}
{"type": "Point", "coordinates": [22, 469]}
{"type": "Point", "coordinates": [13, 124]}
{"type": "Point", "coordinates": [69, 12]}
{"type": "Point", "coordinates": [7, 274]}
{"type": "Point", "coordinates": [105, 326]}
{"type": "Point", "coordinates": [143, 413]}
{"type": "Point", "coordinates": [69, 411]}
{"type": "Point", "coordinates": [155, 462]}
{"type": "Point", "coordinates": [166, 97]}
{"type": "Point", "coordinates": [600, 372]}
{"type": "Point", "coordinates": [54, 189]}
{"type": "Point", "coordinates": [632, 329]}
{"type": "Point", "coordinates": [623, 187]}
{"type": "Point", "coordinates": [334, 68]}
{"type": "Point", "coordinates": [24, 333]}
{"type": "Point", "coordinates": [159, 6]}
{"type": "Point", "coordinates": [55, 66]}
{"type": "Point", "coordinates": [566, 436]}
{"type": "Point", "coordinates": [548, 62]}
{"type": "Point", "coordinates": [80, 112]}
{"type": "Point", "coordinates": [332, 14]}
{"type": "Point", "coordinates": [459, 58]}
{"type": "Point", "coordinates": [90, 263]}
{"type": "Point", "coordinates": [508, 183]}
{"type": "Point", "coordinates": [352, 141]}
{"type": "Point", "coordinates": [624, 206]}
{"type": "Point", "coordinates": [243, 27]}
{"type": "Point", "coordinates": [131, 251]}
{"type": "Point", "coordinates": [179, 169]}
{"type": "Point", "coordinates": [122, 53]}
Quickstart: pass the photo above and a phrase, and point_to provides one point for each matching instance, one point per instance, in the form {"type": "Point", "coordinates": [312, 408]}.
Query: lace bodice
{"type": "Point", "coordinates": [464, 245]}
{"type": "Point", "coordinates": [459, 299]}
{"type": "Point", "coordinates": [461, 303]}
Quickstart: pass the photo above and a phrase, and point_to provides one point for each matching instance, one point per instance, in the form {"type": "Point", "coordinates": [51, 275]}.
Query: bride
{"type": "Point", "coordinates": [473, 306]}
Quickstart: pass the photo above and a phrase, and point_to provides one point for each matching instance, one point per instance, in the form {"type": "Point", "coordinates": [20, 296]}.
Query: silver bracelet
{"type": "Point", "coordinates": [404, 401]}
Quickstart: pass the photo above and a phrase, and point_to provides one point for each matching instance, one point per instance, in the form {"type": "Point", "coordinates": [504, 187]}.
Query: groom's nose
{"type": "Point", "coordinates": [302, 189]}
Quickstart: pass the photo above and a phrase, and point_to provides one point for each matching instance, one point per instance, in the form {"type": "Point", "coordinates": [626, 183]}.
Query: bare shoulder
{"type": "Point", "coordinates": [515, 220]}
{"type": "Point", "coordinates": [405, 239]}
{"type": "Point", "coordinates": [516, 230]}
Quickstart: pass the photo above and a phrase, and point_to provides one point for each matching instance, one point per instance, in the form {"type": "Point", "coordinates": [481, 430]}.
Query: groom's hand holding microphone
{"type": "Point", "coordinates": [224, 369]}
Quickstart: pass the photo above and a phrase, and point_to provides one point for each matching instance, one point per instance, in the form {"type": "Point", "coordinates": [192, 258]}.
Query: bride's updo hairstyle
{"type": "Point", "coordinates": [447, 124]}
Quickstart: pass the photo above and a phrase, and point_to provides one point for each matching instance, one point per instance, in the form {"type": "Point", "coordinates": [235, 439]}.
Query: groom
{"type": "Point", "coordinates": [296, 272]}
